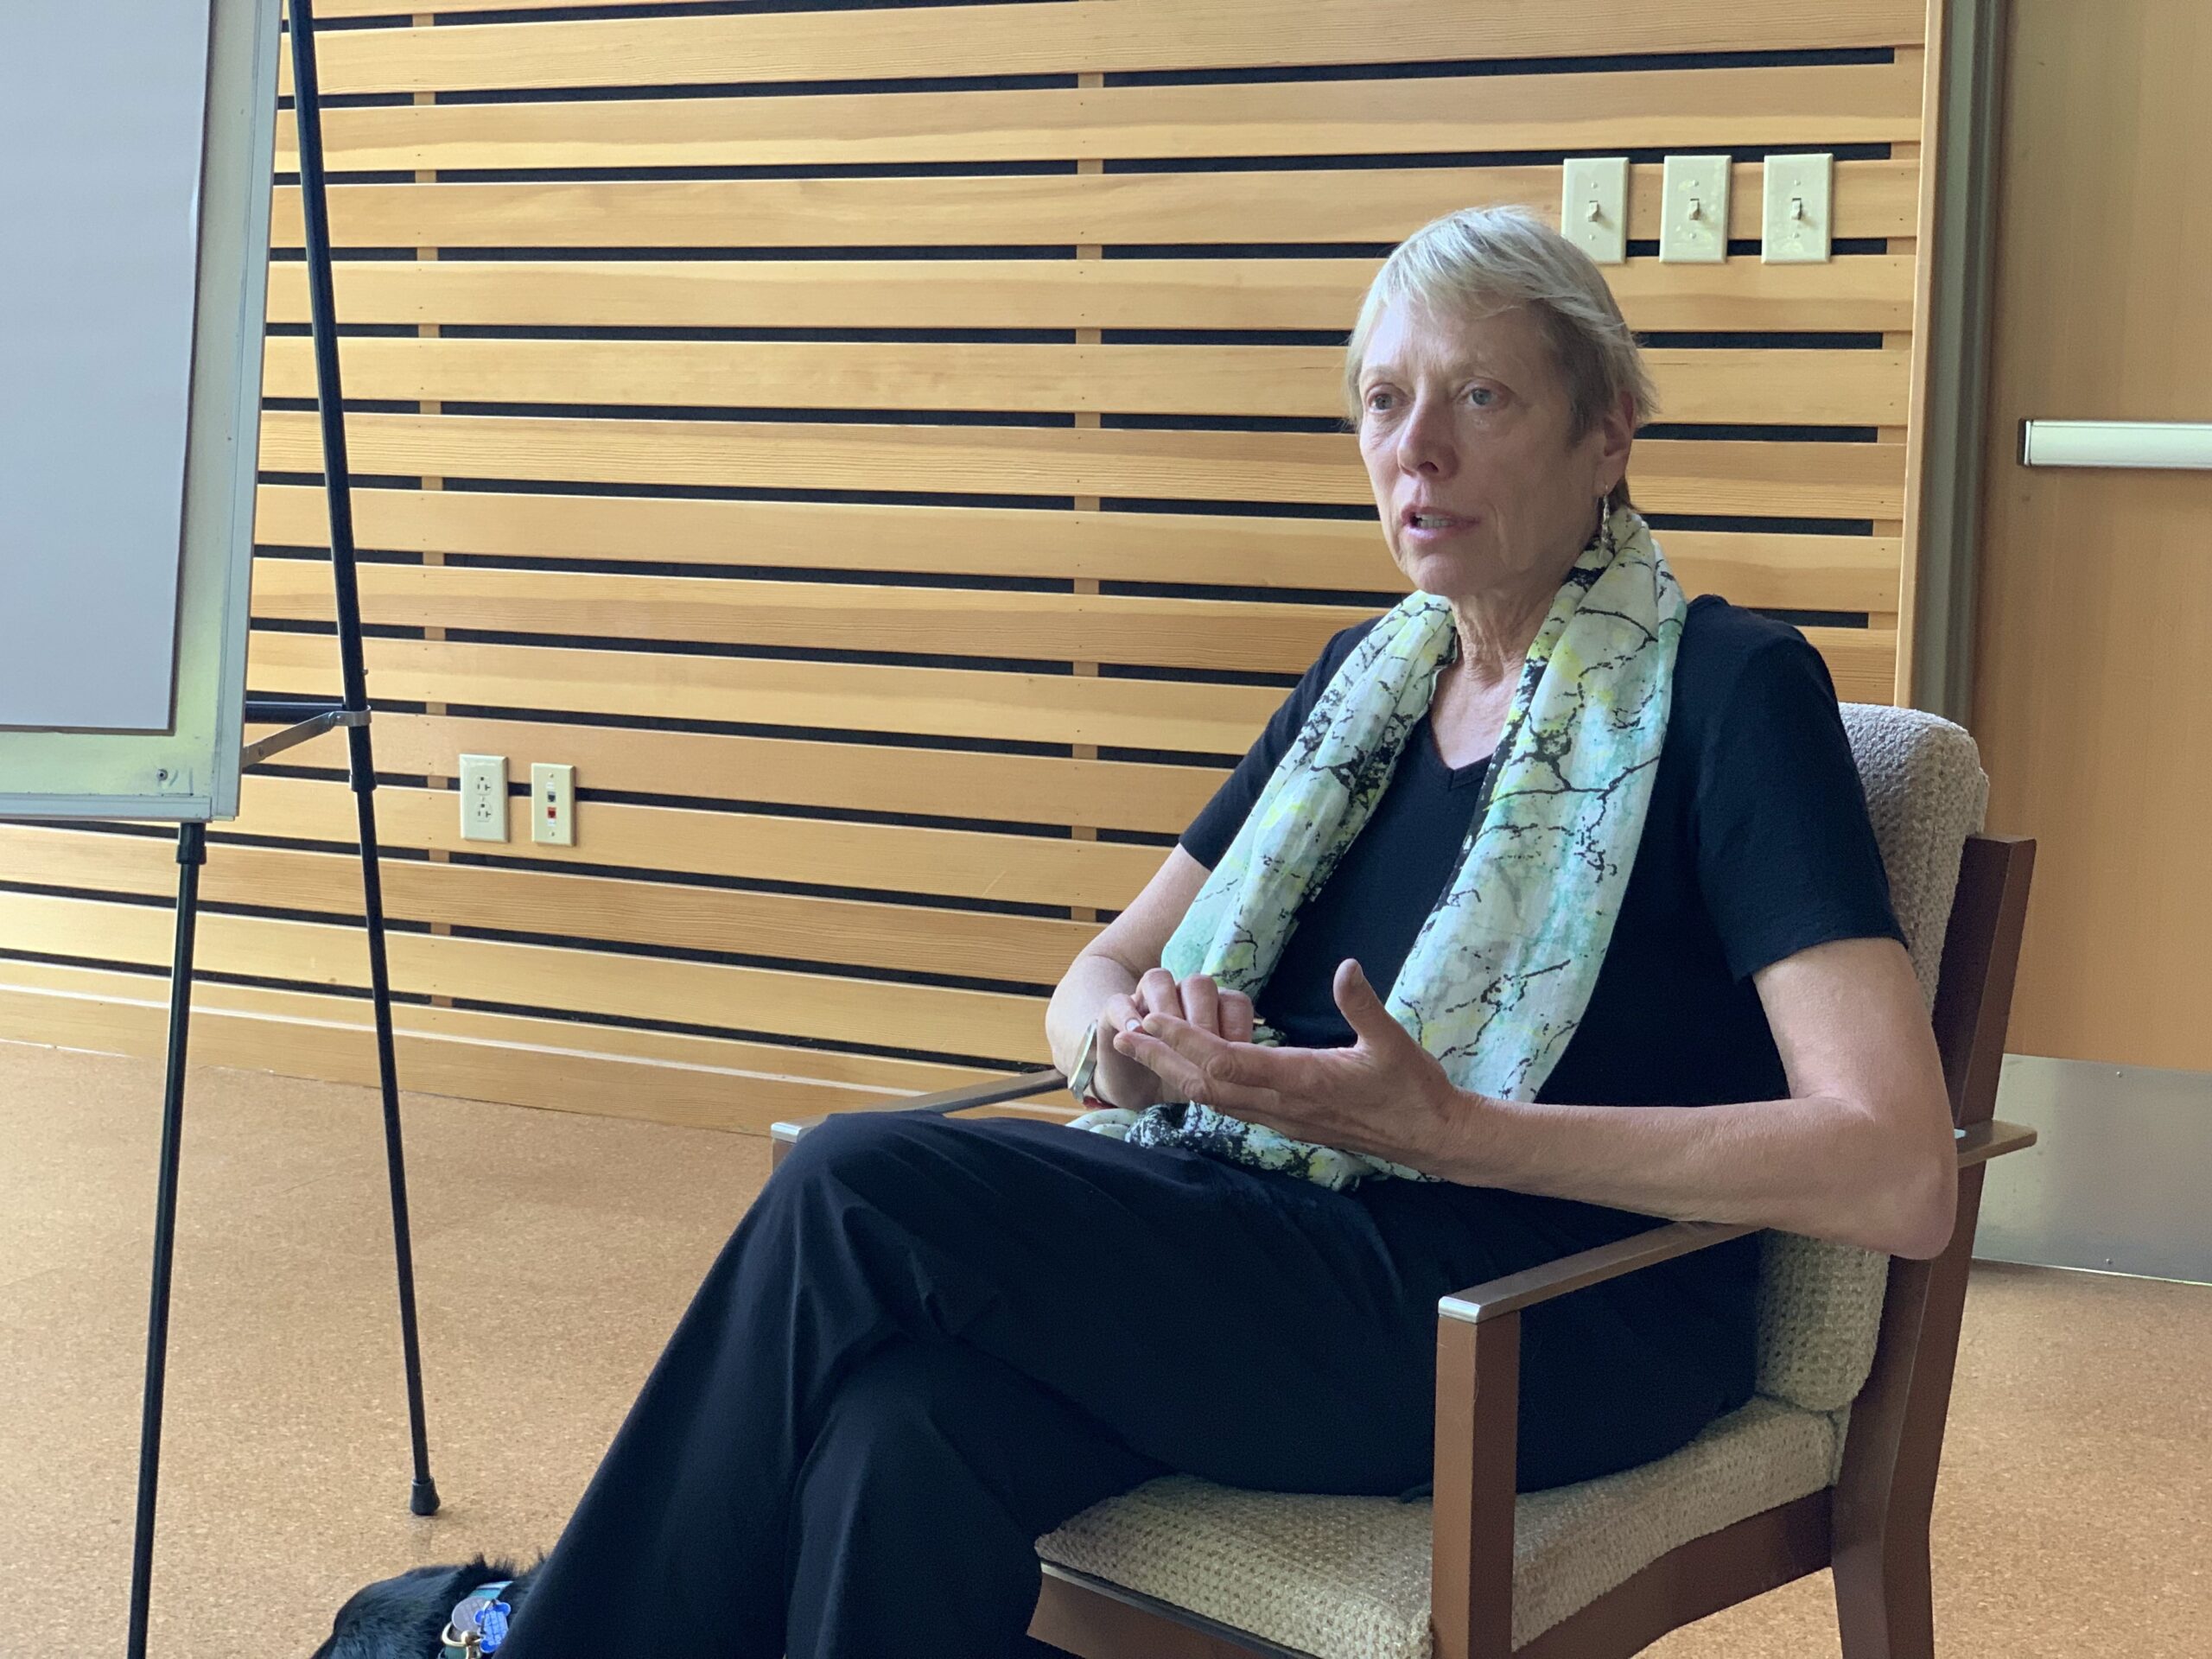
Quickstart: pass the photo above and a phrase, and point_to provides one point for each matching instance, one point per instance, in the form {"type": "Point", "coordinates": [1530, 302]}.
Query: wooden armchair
{"type": "Point", "coordinates": [1832, 1463]}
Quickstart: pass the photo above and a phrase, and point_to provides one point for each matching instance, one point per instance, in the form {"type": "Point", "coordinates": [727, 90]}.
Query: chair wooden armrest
{"type": "Point", "coordinates": [1477, 1404]}
{"type": "Point", "coordinates": [785, 1135]}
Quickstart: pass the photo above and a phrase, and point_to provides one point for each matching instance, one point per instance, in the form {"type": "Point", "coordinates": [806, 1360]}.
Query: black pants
{"type": "Point", "coordinates": [932, 1340]}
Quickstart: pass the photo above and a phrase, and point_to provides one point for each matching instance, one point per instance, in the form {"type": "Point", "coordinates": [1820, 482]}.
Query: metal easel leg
{"type": "Point", "coordinates": [422, 1493]}
{"type": "Point", "coordinates": [191, 853]}
{"type": "Point", "coordinates": [307, 104]}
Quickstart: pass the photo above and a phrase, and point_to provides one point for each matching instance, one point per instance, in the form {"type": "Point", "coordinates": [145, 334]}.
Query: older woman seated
{"type": "Point", "coordinates": [1547, 904]}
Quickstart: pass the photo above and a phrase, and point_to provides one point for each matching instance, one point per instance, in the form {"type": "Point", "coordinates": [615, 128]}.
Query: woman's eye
{"type": "Point", "coordinates": [1379, 401]}
{"type": "Point", "coordinates": [1481, 397]}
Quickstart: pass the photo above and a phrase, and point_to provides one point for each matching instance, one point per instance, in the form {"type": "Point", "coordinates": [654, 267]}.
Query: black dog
{"type": "Point", "coordinates": [405, 1617]}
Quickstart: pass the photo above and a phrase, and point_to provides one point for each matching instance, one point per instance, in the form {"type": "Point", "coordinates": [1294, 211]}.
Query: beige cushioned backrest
{"type": "Point", "coordinates": [1820, 1306]}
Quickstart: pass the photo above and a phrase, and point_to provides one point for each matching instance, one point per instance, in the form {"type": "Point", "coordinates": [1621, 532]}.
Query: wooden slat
{"type": "Point", "coordinates": [1098, 35]}
{"type": "Point", "coordinates": [1864, 291]}
{"type": "Point", "coordinates": [1766, 387]}
{"type": "Point", "coordinates": [825, 1007]}
{"type": "Point", "coordinates": [1817, 573]}
{"type": "Point", "coordinates": [827, 697]}
{"type": "Point", "coordinates": [1819, 106]}
{"type": "Point", "coordinates": [860, 697]}
{"type": "Point", "coordinates": [833, 932]}
{"type": "Point", "coordinates": [963, 783]}
{"type": "Point", "coordinates": [1846, 481]}
{"type": "Point", "coordinates": [884, 858]}
{"type": "Point", "coordinates": [1157, 632]}
{"type": "Point", "coordinates": [564, 1064]}
{"type": "Point", "coordinates": [1872, 199]}
{"type": "Point", "coordinates": [839, 616]}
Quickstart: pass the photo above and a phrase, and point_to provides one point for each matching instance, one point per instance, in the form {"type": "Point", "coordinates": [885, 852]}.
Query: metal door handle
{"type": "Point", "coordinates": [2159, 445]}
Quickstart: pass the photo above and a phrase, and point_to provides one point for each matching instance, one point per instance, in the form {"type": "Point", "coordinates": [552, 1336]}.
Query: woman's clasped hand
{"type": "Point", "coordinates": [1384, 1095]}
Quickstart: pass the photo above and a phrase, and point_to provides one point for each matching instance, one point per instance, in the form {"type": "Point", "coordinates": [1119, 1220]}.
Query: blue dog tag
{"type": "Point", "coordinates": [480, 1621]}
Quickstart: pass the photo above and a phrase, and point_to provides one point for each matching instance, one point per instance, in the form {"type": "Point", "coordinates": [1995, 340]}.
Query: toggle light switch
{"type": "Point", "coordinates": [1594, 207]}
{"type": "Point", "coordinates": [1798, 221]}
{"type": "Point", "coordinates": [1693, 211]}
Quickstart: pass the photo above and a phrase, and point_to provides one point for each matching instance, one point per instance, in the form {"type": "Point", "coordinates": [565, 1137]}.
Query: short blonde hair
{"type": "Point", "coordinates": [1487, 258]}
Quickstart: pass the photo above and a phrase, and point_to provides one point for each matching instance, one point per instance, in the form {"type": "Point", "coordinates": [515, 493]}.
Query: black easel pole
{"type": "Point", "coordinates": [306, 116]}
{"type": "Point", "coordinates": [191, 853]}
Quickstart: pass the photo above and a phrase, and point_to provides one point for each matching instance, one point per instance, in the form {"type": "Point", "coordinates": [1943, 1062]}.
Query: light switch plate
{"type": "Point", "coordinates": [483, 797]}
{"type": "Point", "coordinates": [1693, 211]}
{"type": "Point", "coordinates": [553, 805]}
{"type": "Point", "coordinates": [1799, 222]}
{"type": "Point", "coordinates": [1593, 206]}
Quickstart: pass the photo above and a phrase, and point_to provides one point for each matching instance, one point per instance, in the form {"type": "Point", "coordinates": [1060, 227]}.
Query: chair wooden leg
{"type": "Point", "coordinates": [1884, 1605]}
{"type": "Point", "coordinates": [1478, 1420]}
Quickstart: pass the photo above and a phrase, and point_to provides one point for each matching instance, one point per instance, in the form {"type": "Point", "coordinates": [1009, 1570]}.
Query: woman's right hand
{"type": "Point", "coordinates": [1121, 1081]}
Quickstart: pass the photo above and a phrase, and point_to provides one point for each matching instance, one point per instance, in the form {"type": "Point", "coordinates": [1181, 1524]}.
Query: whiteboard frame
{"type": "Point", "coordinates": [190, 773]}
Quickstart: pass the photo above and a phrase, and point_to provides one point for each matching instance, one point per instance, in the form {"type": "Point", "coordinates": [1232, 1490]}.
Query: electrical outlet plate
{"type": "Point", "coordinates": [1693, 211]}
{"type": "Point", "coordinates": [553, 804]}
{"type": "Point", "coordinates": [1593, 206]}
{"type": "Point", "coordinates": [1799, 223]}
{"type": "Point", "coordinates": [483, 797]}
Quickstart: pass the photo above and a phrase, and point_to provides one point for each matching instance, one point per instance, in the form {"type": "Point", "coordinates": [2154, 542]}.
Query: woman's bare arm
{"type": "Point", "coordinates": [1111, 965]}
{"type": "Point", "coordinates": [1860, 1152]}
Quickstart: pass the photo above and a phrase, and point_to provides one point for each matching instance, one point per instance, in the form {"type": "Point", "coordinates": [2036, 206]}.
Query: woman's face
{"type": "Point", "coordinates": [1464, 425]}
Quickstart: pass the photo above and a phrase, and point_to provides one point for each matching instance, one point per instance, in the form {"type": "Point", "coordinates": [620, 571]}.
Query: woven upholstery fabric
{"type": "Point", "coordinates": [1819, 1305]}
{"type": "Point", "coordinates": [1348, 1578]}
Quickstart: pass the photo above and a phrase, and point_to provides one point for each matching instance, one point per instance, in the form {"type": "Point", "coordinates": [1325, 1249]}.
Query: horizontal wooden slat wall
{"type": "Point", "coordinates": [895, 454]}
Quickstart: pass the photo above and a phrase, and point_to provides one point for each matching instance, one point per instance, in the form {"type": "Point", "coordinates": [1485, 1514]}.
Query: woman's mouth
{"type": "Point", "coordinates": [1422, 521]}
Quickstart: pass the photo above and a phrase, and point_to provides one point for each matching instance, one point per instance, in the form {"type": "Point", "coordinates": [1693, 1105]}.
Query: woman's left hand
{"type": "Point", "coordinates": [1385, 1095]}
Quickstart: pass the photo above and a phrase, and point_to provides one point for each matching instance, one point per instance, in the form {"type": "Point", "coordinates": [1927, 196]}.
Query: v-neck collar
{"type": "Point", "coordinates": [1454, 777]}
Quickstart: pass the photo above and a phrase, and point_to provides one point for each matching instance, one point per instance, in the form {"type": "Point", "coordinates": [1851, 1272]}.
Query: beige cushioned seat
{"type": "Point", "coordinates": [1348, 1578]}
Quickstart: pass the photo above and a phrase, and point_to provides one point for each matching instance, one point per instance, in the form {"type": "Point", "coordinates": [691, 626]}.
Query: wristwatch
{"type": "Point", "coordinates": [1086, 1067]}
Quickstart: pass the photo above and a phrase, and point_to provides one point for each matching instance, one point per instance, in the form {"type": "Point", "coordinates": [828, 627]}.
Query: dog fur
{"type": "Point", "coordinates": [404, 1618]}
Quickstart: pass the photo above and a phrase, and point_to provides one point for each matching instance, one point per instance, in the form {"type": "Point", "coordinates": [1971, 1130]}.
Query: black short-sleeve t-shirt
{"type": "Point", "coordinates": [1757, 845]}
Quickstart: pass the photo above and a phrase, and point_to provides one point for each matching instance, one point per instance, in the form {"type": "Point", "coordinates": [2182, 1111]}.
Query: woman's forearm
{"type": "Point", "coordinates": [1090, 979]}
{"type": "Point", "coordinates": [1816, 1165]}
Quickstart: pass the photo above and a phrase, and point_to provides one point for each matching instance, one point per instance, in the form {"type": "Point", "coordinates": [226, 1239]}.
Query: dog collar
{"type": "Point", "coordinates": [478, 1624]}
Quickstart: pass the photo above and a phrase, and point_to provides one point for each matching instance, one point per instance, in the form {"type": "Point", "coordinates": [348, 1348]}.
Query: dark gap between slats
{"type": "Point", "coordinates": [1417, 161]}
{"type": "Point", "coordinates": [697, 8]}
{"type": "Point", "coordinates": [644, 92]}
{"type": "Point", "coordinates": [1583, 64]}
{"type": "Point", "coordinates": [1861, 339]}
{"type": "Point", "coordinates": [859, 336]}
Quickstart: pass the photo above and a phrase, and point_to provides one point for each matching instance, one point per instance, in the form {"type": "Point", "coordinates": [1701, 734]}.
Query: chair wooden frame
{"type": "Point", "coordinates": [1871, 1526]}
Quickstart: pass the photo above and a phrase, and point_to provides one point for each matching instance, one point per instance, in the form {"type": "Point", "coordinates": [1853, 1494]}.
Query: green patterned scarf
{"type": "Point", "coordinates": [1497, 979]}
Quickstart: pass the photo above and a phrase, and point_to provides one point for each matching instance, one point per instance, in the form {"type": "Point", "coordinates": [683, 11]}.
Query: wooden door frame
{"type": "Point", "coordinates": [1961, 119]}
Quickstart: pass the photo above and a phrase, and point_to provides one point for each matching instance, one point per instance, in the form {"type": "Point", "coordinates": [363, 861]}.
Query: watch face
{"type": "Point", "coordinates": [1086, 1064]}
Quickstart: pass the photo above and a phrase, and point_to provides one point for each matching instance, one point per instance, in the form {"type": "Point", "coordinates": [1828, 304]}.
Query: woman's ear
{"type": "Point", "coordinates": [1616, 435]}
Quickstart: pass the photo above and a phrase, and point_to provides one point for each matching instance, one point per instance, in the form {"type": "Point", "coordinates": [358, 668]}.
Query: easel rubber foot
{"type": "Point", "coordinates": [422, 1496]}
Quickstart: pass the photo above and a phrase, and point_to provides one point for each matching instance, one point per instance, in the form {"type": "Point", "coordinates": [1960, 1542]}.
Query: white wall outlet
{"type": "Point", "coordinates": [483, 797]}
{"type": "Point", "coordinates": [553, 804]}
{"type": "Point", "coordinates": [1593, 206]}
{"type": "Point", "coordinates": [1693, 211]}
{"type": "Point", "coordinates": [1798, 221]}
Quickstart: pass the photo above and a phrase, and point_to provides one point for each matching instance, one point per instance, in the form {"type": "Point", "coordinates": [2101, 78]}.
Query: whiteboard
{"type": "Point", "coordinates": [135, 166]}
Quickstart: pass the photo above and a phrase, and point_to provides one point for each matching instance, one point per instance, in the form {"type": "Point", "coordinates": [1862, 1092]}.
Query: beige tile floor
{"type": "Point", "coordinates": [556, 1250]}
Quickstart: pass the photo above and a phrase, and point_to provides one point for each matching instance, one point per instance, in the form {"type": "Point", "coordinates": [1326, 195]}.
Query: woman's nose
{"type": "Point", "coordinates": [1425, 443]}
